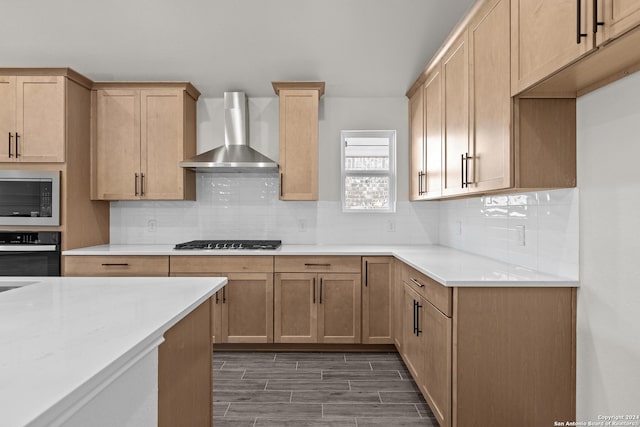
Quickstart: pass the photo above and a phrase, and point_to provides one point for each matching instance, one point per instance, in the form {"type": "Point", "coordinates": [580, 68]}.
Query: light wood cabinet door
{"type": "Point", "coordinates": [339, 309]}
{"type": "Point", "coordinates": [412, 341]}
{"type": "Point", "coordinates": [432, 180]}
{"type": "Point", "coordinates": [7, 118]}
{"type": "Point", "coordinates": [247, 308]}
{"type": "Point", "coordinates": [41, 118]}
{"type": "Point", "coordinates": [490, 118]}
{"type": "Point", "coordinates": [296, 308]}
{"type": "Point", "coordinates": [618, 16]}
{"type": "Point", "coordinates": [117, 145]}
{"type": "Point", "coordinates": [141, 133]}
{"type": "Point", "coordinates": [377, 297]}
{"type": "Point", "coordinates": [416, 147]}
{"type": "Point", "coordinates": [437, 363]}
{"type": "Point", "coordinates": [299, 139]}
{"type": "Point", "coordinates": [455, 79]}
{"type": "Point", "coordinates": [544, 38]}
{"type": "Point", "coordinates": [161, 144]}
{"type": "Point", "coordinates": [32, 119]}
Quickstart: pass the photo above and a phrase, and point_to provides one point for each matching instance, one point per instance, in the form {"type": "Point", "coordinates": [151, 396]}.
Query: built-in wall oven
{"type": "Point", "coordinates": [29, 253]}
{"type": "Point", "coordinates": [29, 198]}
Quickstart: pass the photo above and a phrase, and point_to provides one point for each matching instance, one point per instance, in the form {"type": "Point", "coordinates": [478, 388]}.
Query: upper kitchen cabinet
{"type": "Point", "coordinates": [571, 47]}
{"type": "Point", "coordinates": [490, 142]}
{"type": "Point", "coordinates": [32, 117]}
{"type": "Point", "coordinates": [546, 36]}
{"type": "Point", "coordinates": [455, 152]}
{"type": "Point", "coordinates": [299, 103]}
{"type": "Point", "coordinates": [425, 151]}
{"type": "Point", "coordinates": [141, 131]}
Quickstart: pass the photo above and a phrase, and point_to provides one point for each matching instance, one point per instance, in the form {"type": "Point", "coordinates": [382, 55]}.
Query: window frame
{"type": "Point", "coordinates": [391, 172]}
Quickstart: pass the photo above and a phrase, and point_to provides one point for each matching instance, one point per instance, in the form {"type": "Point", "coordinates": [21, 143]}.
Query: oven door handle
{"type": "Point", "coordinates": [28, 248]}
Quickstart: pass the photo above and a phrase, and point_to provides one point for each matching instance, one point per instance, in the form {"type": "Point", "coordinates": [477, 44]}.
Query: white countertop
{"type": "Point", "coordinates": [60, 338]}
{"type": "Point", "coordinates": [447, 266]}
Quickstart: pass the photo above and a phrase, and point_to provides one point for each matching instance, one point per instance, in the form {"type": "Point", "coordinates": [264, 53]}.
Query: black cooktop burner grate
{"type": "Point", "coordinates": [230, 244]}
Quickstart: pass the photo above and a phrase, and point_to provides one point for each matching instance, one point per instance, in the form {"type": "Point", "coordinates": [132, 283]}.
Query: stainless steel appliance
{"type": "Point", "coordinates": [235, 155]}
{"type": "Point", "coordinates": [29, 198]}
{"type": "Point", "coordinates": [230, 244]}
{"type": "Point", "coordinates": [30, 253]}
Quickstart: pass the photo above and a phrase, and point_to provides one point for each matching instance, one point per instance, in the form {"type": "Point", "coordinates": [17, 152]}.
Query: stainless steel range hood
{"type": "Point", "coordinates": [235, 155]}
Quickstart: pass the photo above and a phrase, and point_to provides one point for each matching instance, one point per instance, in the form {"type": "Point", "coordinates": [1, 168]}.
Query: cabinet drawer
{"type": "Point", "coordinates": [320, 264]}
{"type": "Point", "coordinates": [116, 265]}
{"type": "Point", "coordinates": [221, 264]}
{"type": "Point", "coordinates": [438, 295]}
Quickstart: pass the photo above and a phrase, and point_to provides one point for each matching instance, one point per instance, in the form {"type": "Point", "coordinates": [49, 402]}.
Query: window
{"type": "Point", "coordinates": [368, 170]}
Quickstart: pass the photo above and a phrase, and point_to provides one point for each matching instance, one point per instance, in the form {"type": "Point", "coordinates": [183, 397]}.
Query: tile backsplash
{"type": "Point", "coordinates": [537, 230]}
{"type": "Point", "coordinates": [242, 206]}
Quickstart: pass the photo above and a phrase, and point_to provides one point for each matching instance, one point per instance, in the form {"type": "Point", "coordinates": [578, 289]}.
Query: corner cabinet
{"type": "Point", "coordinates": [32, 118]}
{"type": "Point", "coordinates": [377, 300]}
{"type": "Point", "coordinates": [299, 103]}
{"type": "Point", "coordinates": [140, 132]}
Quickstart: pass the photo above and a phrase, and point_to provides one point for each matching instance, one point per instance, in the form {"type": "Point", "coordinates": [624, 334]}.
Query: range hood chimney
{"type": "Point", "coordinates": [235, 155]}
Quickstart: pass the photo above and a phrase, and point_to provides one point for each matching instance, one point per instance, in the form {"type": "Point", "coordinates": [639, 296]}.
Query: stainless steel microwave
{"type": "Point", "coordinates": [29, 198]}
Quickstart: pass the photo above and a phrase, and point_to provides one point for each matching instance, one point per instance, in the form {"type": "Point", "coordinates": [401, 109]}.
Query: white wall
{"type": "Point", "coordinates": [608, 364]}
{"type": "Point", "coordinates": [246, 206]}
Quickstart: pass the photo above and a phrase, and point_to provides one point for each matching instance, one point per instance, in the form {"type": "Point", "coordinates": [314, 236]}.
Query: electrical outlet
{"type": "Point", "coordinates": [152, 225]}
{"type": "Point", "coordinates": [391, 226]}
{"type": "Point", "coordinates": [302, 226]}
{"type": "Point", "coordinates": [458, 228]}
{"type": "Point", "coordinates": [520, 235]}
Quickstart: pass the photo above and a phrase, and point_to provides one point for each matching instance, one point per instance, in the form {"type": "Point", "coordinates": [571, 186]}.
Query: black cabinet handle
{"type": "Point", "coordinates": [596, 23]}
{"type": "Point", "coordinates": [281, 183]}
{"type": "Point", "coordinates": [418, 330]}
{"type": "Point", "coordinates": [579, 33]}
{"type": "Point", "coordinates": [462, 170]}
{"type": "Point", "coordinates": [142, 184]}
{"type": "Point", "coordinates": [466, 169]}
{"type": "Point", "coordinates": [321, 290]}
{"type": "Point", "coordinates": [415, 313]}
{"type": "Point", "coordinates": [135, 185]}
{"type": "Point", "coordinates": [10, 136]}
{"type": "Point", "coordinates": [420, 189]}
{"type": "Point", "coordinates": [217, 299]}
{"type": "Point", "coordinates": [314, 290]}
{"type": "Point", "coordinates": [316, 265]}
{"type": "Point", "coordinates": [114, 264]}
{"type": "Point", "coordinates": [17, 151]}
{"type": "Point", "coordinates": [366, 274]}
{"type": "Point", "coordinates": [224, 295]}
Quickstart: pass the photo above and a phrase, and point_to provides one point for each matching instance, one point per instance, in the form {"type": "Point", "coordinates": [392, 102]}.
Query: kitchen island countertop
{"type": "Point", "coordinates": [62, 338]}
{"type": "Point", "coordinates": [449, 267]}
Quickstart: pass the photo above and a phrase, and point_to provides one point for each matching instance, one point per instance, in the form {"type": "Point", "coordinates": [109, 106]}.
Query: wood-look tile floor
{"type": "Point", "coordinates": [316, 389]}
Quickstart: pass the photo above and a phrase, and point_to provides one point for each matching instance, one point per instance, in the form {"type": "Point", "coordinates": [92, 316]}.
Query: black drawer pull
{"type": "Point", "coordinates": [115, 264]}
{"type": "Point", "coordinates": [316, 265]}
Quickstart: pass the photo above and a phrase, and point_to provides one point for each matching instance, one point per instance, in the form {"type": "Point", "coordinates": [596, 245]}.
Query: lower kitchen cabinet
{"type": "Point", "coordinates": [242, 311]}
{"type": "Point", "coordinates": [413, 342]}
{"type": "Point", "coordinates": [317, 308]}
{"type": "Point", "coordinates": [377, 281]}
{"type": "Point", "coordinates": [140, 265]}
{"type": "Point", "coordinates": [436, 381]}
{"type": "Point", "coordinates": [247, 308]}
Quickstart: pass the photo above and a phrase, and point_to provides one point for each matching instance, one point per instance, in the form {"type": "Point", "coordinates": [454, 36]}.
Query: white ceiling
{"type": "Point", "coordinates": [361, 48]}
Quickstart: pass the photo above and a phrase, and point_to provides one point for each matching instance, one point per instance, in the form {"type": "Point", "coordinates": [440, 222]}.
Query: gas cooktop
{"type": "Point", "coordinates": [230, 244]}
